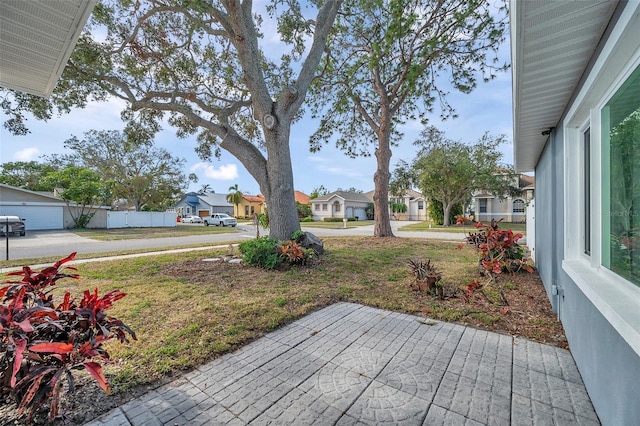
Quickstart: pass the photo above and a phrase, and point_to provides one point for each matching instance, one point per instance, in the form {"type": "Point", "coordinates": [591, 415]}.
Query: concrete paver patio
{"type": "Point", "coordinates": [349, 364]}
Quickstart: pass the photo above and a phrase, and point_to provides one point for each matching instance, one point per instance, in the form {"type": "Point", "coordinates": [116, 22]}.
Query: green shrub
{"type": "Point", "coordinates": [338, 219]}
{"type": "Point", "coordinates": [263, 219]}
{"type": "Point", "coordinates": [262, 252]}
{"type": "Point", "coordinates": [304, 210]}
{"type": "Point", "coordinates": [307, 219]}
{"type": "Point", "coordinates": [297, 236]}
{"type": "Point", "coordinates": [436, 211]}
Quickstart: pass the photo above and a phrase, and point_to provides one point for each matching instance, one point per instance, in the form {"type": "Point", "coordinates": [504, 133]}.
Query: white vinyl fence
{"type": "Point", "coordinates": [531, 228]}
{"type": "Point", "coordinates": [141, 219]}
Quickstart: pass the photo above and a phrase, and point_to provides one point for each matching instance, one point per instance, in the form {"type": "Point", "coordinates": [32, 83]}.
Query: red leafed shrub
{"type": "Point", "coordinates": [41, 342]}
{"type": "Point", "coordinates": [498, 249]}
{"type": "Point", "coordinates": [470, 289]}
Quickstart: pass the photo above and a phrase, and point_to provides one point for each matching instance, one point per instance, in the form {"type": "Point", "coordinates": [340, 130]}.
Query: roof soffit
{"type": "Point", "coordinates": [552, 43]}
{"type": "Point", "coordinates": [36, 41]}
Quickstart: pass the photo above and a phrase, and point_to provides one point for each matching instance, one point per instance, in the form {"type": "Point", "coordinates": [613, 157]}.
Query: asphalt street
{"type": "Point", "coordinates": [61, 243]}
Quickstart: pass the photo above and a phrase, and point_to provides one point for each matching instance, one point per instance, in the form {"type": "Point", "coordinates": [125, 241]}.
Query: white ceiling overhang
{"type": "Point", "coordinates": [36, 40]}
{"type": "Point", "coordinates": [552, 42]}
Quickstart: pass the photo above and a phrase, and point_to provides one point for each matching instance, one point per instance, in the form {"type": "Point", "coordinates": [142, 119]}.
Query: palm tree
{"type": "Point", "coordinates": [234, 197]}
{"type": "Point", "coordinates": [205, 188]}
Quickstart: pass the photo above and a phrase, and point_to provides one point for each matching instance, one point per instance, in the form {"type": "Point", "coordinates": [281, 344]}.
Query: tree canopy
{"type": "Point", "coordinates": [27, 174]}
{"type": "Point", "coordinates": [200, 66]}
{"type": "Point", "coordinates": [390, 61]}
{"type": "Point", "coordinates": [135, 170]}
{"type": "Point", "coordinates": [82, 186]}
{"type": "Point", "coordinates": [450, 171]}
{"type": "Point", "coordinates": [319, 191]}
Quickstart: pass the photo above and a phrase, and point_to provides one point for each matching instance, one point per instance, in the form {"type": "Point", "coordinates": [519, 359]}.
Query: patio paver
{"type": "Point", "coordinates": [348, 364]}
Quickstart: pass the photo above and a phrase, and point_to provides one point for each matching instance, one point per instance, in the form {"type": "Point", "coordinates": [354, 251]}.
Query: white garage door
{"type": "Point", "coordinates": [37, 217]}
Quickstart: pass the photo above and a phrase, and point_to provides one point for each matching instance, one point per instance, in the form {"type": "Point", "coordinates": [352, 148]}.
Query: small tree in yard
{"type": "Point", "coordinates": [199, 65]}
{"type": "Point", "coordinates": [82, 186]}
{"type": "Point", "coordinates": [450, 171]}
{"type": "Point", "coordinates": [43, 341]}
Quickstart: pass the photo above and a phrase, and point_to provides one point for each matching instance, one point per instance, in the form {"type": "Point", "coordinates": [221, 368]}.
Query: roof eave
{"type": "Point", "coordinates": [15, 74]}
{"type": "Point", "coordinates": [551, 45]}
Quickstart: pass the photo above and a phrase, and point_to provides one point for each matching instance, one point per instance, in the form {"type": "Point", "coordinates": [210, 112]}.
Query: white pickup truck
{"type": "Point", "coordinates": [220, 219]}
{"type": "Point", "coordinates": [14, 224]}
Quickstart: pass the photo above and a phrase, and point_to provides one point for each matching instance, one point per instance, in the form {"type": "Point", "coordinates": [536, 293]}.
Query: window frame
{"type": "Point", "coordinates": [482, 208]}
{"type": "Point", "coordinates": [586, 191]}
{"type": "Point", "coordinates": [520, 201]}
{"type": "Point", "coordinates": [617, 299]}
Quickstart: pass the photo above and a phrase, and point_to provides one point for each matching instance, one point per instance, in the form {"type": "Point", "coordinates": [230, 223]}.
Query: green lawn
{"type": "Point", "coordinates": [427, 226]}
{"type": "Point", "coordinates": [186, 311]}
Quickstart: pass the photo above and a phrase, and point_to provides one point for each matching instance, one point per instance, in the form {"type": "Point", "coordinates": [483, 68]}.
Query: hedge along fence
{"type": "Point", "coordinates": [339, 219]}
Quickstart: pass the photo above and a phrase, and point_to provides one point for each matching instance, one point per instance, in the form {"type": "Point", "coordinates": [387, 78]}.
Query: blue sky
{"type": "Point", "coordinates": [486, 109]}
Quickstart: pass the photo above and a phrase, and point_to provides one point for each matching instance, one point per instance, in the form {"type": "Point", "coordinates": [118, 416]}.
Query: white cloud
{"type": "Point", "coordinates": [225, 172]}
{"type": "Point", "coordinates": [27, 154]}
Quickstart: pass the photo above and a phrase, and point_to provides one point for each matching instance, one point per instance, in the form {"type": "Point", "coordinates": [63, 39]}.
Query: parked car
{"type": "Point", "coordinates": [14, 223]}
{"type": "Point", "coordinates": [220, 219]}
{"type": "Point", "coordinates": [191, 219]}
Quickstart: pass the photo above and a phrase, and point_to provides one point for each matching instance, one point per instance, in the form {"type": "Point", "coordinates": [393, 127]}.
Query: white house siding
{"type": "Point", "coordinates": [339, 205]}
{"type": "Point", "coordinates": [531, 228]}
{"type": "Point", "coordinates": [318, 213]}
{"type": "Point", "coordinates": [500, 210]}
{"type": "Point", "coordinates": [414, 213]}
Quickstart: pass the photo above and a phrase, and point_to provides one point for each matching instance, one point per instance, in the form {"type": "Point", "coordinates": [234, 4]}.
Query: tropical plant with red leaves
{"type": "Point", "coordinates": [41, 343]}
{"type": "Point", "coordinates": [498, 249]}
{"type": "Point", "coordinates": [470, 289]}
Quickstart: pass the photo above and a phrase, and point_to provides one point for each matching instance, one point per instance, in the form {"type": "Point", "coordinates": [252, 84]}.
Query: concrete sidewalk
{"type": "Point", "coordinates": [353, 365]}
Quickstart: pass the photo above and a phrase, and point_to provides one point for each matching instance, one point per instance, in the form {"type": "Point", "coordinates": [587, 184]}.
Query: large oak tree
{"type": "Point", "coordinates": [391, 61]}
{"type": "Point", "coordinates": [199, 65]}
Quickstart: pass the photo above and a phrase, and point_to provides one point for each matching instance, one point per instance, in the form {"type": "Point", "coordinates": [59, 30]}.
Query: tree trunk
{"type": "Point", "coordinates": [279, 189]}
{"type": "Point", "coordinates": [447, 209]}
{"type": "Point", "coordinates": [382, 227]}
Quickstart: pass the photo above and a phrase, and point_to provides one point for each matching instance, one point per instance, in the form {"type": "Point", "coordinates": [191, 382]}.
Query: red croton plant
{"type": "Point", "coordinates": [498, 249]}
{"type": "Point", "coordinates": [41, 342]}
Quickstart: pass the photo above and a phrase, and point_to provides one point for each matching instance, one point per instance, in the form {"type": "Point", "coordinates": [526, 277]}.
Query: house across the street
{"type": "Point", "coordinates": [340, 204]}
{"type": "Point", "coordinates": [43, 210]}
{"type": "Point", "coordinates": [508, 208]}
{"type": "Point", "coordinates": [203, 204]}
{"type": "Point", "coordinates": [249, 206]}
{"type": "Point", "coordinates": [414, 201]}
